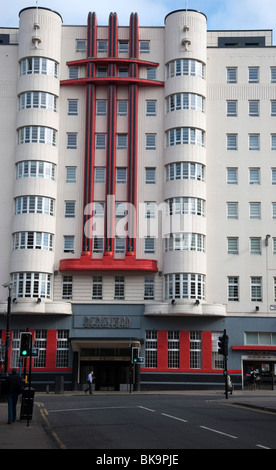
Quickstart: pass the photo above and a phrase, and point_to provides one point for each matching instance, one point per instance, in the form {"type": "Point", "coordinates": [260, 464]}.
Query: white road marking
{"type": "Point", "coordinates": [219, 432]}
{"type": "Point", "coordinates": [175, 417]}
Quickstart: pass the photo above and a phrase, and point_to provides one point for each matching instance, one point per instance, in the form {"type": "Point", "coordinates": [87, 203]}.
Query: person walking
{"type": "Point", "coordinates": [14, 387]}
{"type": "Point", "coordinates": [90, 378]}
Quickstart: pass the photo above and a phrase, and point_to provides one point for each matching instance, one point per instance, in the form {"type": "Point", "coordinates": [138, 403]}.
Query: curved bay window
{"type": "Point", "coordinates": [185, 286]}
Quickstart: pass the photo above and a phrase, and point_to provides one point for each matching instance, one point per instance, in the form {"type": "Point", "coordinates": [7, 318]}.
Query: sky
{"type": "Point", "coordinates": [221, 14]}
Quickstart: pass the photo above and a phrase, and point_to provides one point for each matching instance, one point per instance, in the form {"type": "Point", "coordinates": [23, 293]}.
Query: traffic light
{"type": "Point", "coordinates": [134, 355]}
{"type": "Point", "coordinates": [223, 344]}
{"type": "Point", "coordinates": [25, 344]}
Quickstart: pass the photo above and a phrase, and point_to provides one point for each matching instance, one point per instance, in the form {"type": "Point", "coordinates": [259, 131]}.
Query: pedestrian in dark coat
{"type": "Point", "coordinates": [14, 387]}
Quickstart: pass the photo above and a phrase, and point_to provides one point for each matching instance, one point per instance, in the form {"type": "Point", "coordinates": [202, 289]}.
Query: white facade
{"type": "Point", "coordinates": [206, 169]}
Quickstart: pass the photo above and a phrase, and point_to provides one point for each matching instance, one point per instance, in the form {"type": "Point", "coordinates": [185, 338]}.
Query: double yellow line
{"type": "Point", "coordinates": [44, 413]}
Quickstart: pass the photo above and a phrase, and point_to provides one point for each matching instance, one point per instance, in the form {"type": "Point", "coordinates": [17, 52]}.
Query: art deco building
{"type": "Point", "coordinates": [138, 206]}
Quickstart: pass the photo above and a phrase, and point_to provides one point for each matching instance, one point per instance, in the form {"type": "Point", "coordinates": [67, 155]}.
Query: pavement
{"type": "Point", "coordinates": [35, 435]}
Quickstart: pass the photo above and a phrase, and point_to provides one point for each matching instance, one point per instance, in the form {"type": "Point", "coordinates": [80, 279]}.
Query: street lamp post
{"type": "Point", "coordinates": [9, 286]}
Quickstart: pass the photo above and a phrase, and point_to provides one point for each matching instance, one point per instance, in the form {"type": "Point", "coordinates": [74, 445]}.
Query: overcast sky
{"type": "Point", "coordinates": [221, 14]}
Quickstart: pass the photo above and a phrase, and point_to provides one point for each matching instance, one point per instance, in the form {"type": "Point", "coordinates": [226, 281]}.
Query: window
{"type": "Point", "coordinates": [62, 357]}
{"type": "Point", "coordinates": [122, 107]}
{"type": "Point", "coordinates": [119, 288]}
{"type": "Point", "coordinates": [73, 107]}
{"type": "Point", "coordinates": [232, 142]}
{"type": "Point", "coordinates": [232, 210]}
{"type": "Point", "coordinates": [273, 108]}
{"type": "Point", "coordinates": [173, 350]}
{"type": "Point", "coordinates": [123, 72]}
{"type": "Point", "coordinates": [100, 141]}
{"type": "Point", "coordinates": [232, 176]}
{"type": "Point", "coordinates": [33, 241]}
{"type": "Point", "coordinates": [29, 284]}
{"type": "Point", "coordinates": [254, 210]}
{"type": "Point", "coordinates": [144, 47]}
{"type": "Point", "coordinates": [185, 101]}
{"type": "Point", "coordinates": [255, 246]}
{"type": "Point", "coordinates": [151, 349]}
{"type": "Point", "coordinates": [256, 289]}
{"type": "Point", "coordinates": [254, 108]}
{"type": "Point", "coordinates": [97, 288]}
{"type": "Point", "coordinates": [273, 210]}
{"type": "Point", "coordinates": [186, 67]}
{"type": "Point", "coordinates": [151, 73]}
{"type": "Point", "coordinates": [121, 141]}
{"type": "Point", "coordinates": [73, 73]}
{"type": "Point", "coordinates": [98, 244]}
{"type": "Point", "coordinates": [37, 135]}
{"type": "Point", "coordinates": [185, 286]}
{"type": "Point", "coordinates": [99, 175]}
{"type": "Point", "coordinates": [273, 175]}
{"type": "Point", "coordinates": [34, 205]}
{"type": "Point", "coordinates": [15, 358]}
{"type": "Point", "coordinates": [150, 141]}
{"type": "Point", "coordinates": [101, 107]}
{"type": "Point", "coordinates": [233, 246]}
{"type": "Point", "coordinates": [149, 245]}
{"type": "Point", "coordinates": [68, 244]}
{"type": "Point", "coordinates": [195, 350]}
{"type": "Point", "coordinates": [186, 205]}
{"type": "Point", "coordinates": [67, 287]}
{"type": "Point", "coordinates": [101, 72]}
{"type": "Point", "coordinates": [233, 289]}
{"type": "Point", "coordinates": [71, 172]}
{"type": "Point", "coordinates": [185, 135]}
{"type": "Point", "coordinates": [70, 209]}
{"type": "Point", "coordinates": [39, 65]}
{"type": "Point", "coordinates": [254, 142]}
{"type": "Point", "coordinates": [36, 169]}
{"type": "Point", "coordinates": [120, 209]}
{"type": "Point", "coordinates": [185, 242]}
{"type": "Point", "coordinates": [123, 47]}
{"type": "Point", "coordinates": [120, 245]}
{"type": "Point", "coordinates": [273, 142]}
{"type": "Point", "coordinates": [185, 170]}
{"type": "Point", "coordinates": [150, 210]}
{"type": "Point", "coordinates": [102, 46]}
{"type": "Point", "coordinates": [71, 141]}
{"type": "Point", "coordinates": [253, 75]}
{"type": "Point", "coordinates": [273, 74]}
{"type": "Point", "coordinates": [268, 339]}
{"type": "Point", "coordinates": [217, 359]}
{"type": "Point", "coordinates": [254, 175]}
{"type": "Point", "coordinates": [36, 99]}
{"type": "Point", "coordinates": [81, 45]}
{"type": "Point", "coordinates": [231, 74]}
{"type": "Point", "coordinates": [151, 108]}
{"type": "Point", "coordinates": [41, 344]}
{"type": "Point", "coordinates": [150, 176]}
{"type": "Point", "coordinates": [121, 175]}
{"type": "Point", "coordinates": [149, 288]}
{"type": "Point", "coordinates": [231, 108]}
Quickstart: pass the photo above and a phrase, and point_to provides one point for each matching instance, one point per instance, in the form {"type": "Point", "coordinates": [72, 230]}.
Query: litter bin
{"type": "Point", "coordinates": [27, 404]}
{"type": "Point", "coordinates": [59, 387]}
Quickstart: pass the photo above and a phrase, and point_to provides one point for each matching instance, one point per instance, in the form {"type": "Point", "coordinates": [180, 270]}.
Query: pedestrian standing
{"type": "Point", "coordinates": [90, 378]}
{"type": "Point", "coordinates": [14, 387]}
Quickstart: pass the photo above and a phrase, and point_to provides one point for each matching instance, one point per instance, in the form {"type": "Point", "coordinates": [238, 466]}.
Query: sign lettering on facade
{"type": "Point", "coordinates": [106, 322]}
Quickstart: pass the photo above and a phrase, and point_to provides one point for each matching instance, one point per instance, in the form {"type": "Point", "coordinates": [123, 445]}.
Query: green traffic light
{"type": "Point", "coordinates": [24, 353]}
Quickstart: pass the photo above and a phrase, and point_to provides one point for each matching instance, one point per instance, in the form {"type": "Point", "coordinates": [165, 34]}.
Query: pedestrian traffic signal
{"type": "Point", "coordinates": [223, 344]}
{"type": "Point", "coordinates": [134, 355]}
{"type": "Point", "coordinates": [25, 344]}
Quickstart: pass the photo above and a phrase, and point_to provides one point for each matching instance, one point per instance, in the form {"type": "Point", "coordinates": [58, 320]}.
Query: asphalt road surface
{"type": "Point", "coordinates": [160, 422]}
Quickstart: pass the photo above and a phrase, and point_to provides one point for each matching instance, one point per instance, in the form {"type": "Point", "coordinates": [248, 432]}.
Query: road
{"type": "Point", "coordinates": [171, 422]}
